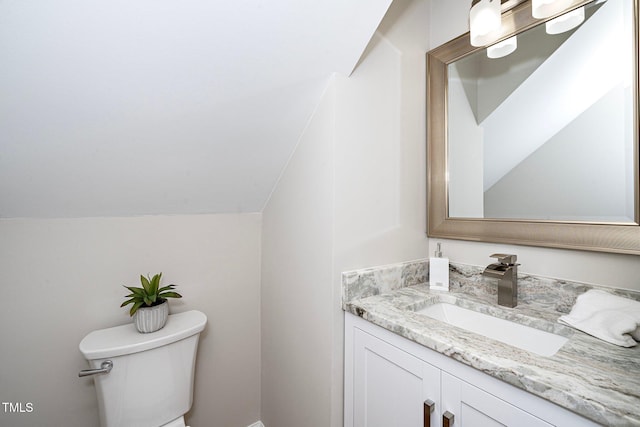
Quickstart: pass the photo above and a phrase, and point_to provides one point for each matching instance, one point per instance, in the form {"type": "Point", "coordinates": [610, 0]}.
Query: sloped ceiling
{"type": "Point", "coordinates": [121, 107]}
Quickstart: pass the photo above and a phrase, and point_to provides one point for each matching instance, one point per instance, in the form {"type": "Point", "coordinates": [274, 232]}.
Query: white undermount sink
{"type": "Point", "coordinates": [521, 336]}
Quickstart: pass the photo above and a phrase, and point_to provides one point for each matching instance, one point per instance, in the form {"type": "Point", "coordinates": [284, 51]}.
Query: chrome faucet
{"type": "Point", "coordinates": [506, 269]}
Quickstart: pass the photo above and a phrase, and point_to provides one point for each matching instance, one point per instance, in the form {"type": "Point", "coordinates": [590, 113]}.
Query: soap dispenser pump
{"type": "Point", "coordinates": [438, 271]}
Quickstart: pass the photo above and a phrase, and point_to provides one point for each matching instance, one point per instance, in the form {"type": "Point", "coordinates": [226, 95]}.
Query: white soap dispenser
{"type": "Point", "coordinates": [438, 271]}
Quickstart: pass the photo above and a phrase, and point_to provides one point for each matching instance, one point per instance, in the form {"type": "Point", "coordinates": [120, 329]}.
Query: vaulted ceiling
{"type": "Point", "coordinates": [120, 107]}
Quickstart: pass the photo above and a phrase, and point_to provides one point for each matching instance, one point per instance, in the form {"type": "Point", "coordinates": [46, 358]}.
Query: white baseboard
{"type": "Point", "coordinates": [257, 424]}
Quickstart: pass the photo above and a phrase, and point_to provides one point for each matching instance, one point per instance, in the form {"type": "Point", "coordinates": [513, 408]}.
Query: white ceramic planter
{"type": "Point", "coordinates": [151, 319]}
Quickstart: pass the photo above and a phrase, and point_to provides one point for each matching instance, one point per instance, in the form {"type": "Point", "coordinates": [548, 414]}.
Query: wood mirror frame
{"type": "Point", "coordinates": [590, 236]}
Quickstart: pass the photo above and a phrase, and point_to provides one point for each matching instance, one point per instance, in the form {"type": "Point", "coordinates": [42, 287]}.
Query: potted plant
{"type": "Point", "coordinates": [150, 306]}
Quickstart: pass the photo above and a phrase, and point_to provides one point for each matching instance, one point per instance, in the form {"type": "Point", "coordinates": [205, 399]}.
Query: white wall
{"type": "Point", "coordinates": [296, 281]}
{"type": "Point", "coordinates": [61, 279]}
{"type": "Point", "coordinates": [448, 19]}
{"type": "Point", "coordinates": [353, 195]}
{"type": "Point", "coordinates": [380, 187]}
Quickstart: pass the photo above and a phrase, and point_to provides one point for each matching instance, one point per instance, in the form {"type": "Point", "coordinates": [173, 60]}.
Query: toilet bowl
{"type": "Point", "coordinates": [149, 380]}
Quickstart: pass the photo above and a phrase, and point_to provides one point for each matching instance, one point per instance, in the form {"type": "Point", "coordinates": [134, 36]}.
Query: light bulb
{"type": "Point", "coordinates": [484, 22]}
{"type": "Point", "coordinates": [565, 22]}
{"type": "Point", "coordinates": [504, 48]}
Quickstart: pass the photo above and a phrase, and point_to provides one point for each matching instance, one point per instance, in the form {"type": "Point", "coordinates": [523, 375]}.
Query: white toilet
{"type": "Point", "coordinates": [150, 381]}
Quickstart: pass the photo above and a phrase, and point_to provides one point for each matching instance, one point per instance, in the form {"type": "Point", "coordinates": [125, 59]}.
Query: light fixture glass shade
{"type": "Point", "coordinates": [565, 22]}
{"type": "Point", "coordinates": [484, 22]}
{"type": "Point", "coordinates": [545, 8]}
{"type": "Point", "coordinates": [504, 48]}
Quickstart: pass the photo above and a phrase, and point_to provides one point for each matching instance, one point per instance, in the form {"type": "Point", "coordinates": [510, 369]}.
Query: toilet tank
{"type": "Point", "coordinates": [151, 382]}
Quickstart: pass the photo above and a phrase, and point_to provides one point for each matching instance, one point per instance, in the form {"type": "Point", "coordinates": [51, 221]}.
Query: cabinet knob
{"type": "Point", "coordinates": [429, 406]}
{"type": "Point", "coordinates": [447, 419]}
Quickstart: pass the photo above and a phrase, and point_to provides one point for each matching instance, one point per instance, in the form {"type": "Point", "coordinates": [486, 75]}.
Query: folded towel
{"type": "Point", "coordinates": [606, 316]}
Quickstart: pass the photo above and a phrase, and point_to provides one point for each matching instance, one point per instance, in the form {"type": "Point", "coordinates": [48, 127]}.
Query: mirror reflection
{"type": "Point", "coordinates": [547, 131]}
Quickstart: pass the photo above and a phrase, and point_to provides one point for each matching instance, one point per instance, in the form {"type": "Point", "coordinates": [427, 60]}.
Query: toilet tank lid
{"type": "Point", "coordinates": [126, 339]}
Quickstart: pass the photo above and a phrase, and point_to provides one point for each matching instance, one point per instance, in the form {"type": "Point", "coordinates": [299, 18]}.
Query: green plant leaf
{"type": "Point", "coordinates": [155, 283]}
{"type": "Point", "coordinates": [147, 301]}
{"type": "Point", "coordinates": [170, 295]}
{"type": "Point", "coordinates": [136, 291]}
{"type": "Point", "coordinates": [135, 308]}
{"type": "Point", "coordinates": [145, 284]}
{"type": "Point", "coordinates": [166, 288]}
{"type": "Point", "coordinates": [130, 301]}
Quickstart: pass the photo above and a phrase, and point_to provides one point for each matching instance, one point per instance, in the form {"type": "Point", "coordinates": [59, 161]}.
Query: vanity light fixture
{"type": "Point", "coordinates": [565, 22]}
{"type": "Point", "coordinates": [504, 48]}
{"type": "Point", "coordinates": [485, 20]}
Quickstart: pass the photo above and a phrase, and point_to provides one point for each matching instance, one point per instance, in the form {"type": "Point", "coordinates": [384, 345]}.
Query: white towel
{"type": "Point", "coordinates": [606, 316]}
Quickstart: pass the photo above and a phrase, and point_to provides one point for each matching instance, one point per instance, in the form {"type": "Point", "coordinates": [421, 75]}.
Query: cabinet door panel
{"type": "Point", "coordinates": [390, 385]}
{"type": "Point", "coordinates": [475, 407]}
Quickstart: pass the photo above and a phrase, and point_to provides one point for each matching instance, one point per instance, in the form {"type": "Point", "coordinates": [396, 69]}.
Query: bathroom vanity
{"type": "Point", "coordinates": [404, 367]}
{"type": "Point", "coordinates": [394, 382]}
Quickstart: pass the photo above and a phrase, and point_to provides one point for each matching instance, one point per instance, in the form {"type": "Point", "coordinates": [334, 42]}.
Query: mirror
{"type": "Point", "coordinates": [539, 147]}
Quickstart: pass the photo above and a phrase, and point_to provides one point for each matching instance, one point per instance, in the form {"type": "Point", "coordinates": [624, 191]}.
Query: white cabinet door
{"type": "Point", "coordinates": [472, 407]}
{"type": "Point", "coordinates": [390, 386]}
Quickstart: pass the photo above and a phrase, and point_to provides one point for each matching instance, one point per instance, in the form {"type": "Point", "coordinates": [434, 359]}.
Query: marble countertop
{"type": "Point", "coordinates": [595, 379]}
